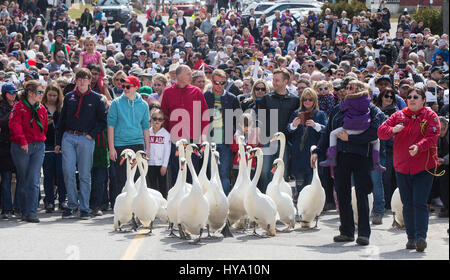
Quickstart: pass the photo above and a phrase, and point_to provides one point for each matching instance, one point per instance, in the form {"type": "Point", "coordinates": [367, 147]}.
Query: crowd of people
{"type": "Point", "coordinates": [76, 93]}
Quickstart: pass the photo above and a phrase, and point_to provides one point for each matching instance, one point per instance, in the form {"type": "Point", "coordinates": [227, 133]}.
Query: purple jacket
{"type": "Point", "coordinates": [356, 112]}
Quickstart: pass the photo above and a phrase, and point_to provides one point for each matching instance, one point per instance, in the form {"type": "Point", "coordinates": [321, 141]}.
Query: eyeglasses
{"type": "Point", "coordinates": [157, 119]}
{"type": "Point", "coordinates": [323, 88]}
{"type": "Point", "coordinates": [61, 57]}
{"type": "Point", "coordinates": [260, 89]}
{"type": "Point", "coordinates": [389, 96]}
{"type": "Point", "coordinates": [128, 86]}
{"type": "Point", "coordinates": [12, 92]}
{"type": "Point", "coordinates": [310, 66]}
{"type": "Point", "coordinates": [308, 99]}
{"type": "Point", "coordinates": [220, 83]}
{"type": "Point", "coordinates": [415, 97]}
{"type": "Point", "coordinates": [39, 92]}
{"type": "Point", "coordinates": [208, 72]}
{"type": "Point", "coordinates": [44, 74]}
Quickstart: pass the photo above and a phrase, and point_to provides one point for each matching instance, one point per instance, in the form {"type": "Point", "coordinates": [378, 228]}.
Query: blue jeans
{"type": "Point", "coordinates": [28, 171]}
{"type": "Point", "coordinates": [378, 189]}
{"type": "Point", "coordinates": [226, 158]}
{"type": "Point", "coordinates": [99, 178]}
{"type": "Point", "coordinates": [414, 192]}
{"type": "Point", "coordinates": [53, 169]}
{"type": "Point", "coordinates": [78, 152]}
{"type": "Point", "coordinates": [7, 204]}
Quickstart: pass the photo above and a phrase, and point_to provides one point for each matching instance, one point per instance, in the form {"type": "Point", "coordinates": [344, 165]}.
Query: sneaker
{"type": "Point", "coordinates": [85, 215]}
{"type": "Point", "coordinates": [68, 214]}
{"type": "Point", "coordinates": [362, 240]}
{"type": "Point", "coordinates": [97, 212]}
{"type": "Point", "coordinates": [6, 215]}
{"type": "Point", "coordinates": [377, 219]}
{"type": "Point", "coordinates": [443, 213]}
{"type": "Point", "coordinates": [421, 244]}
{"type": "Point", "coordinates": [50, 208]}
{"type": "Point", "coordinates": [63, 206]}
{"type": "Point", "coordinates": [31, 220]}
{"type": "Point", "coordinates": [411, 245]}
{"type": "Point", "coordinates": [343, 238]}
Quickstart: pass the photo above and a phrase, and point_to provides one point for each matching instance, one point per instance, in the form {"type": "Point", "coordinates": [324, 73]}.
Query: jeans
{"type": "Point", "coordinates": [226, 159]}
{"type": "Point", "coordinates": [99, 178]}
{"type": "Point", "coordinates": [7, 204]}
{"type": "Point", "coordinates": [378, 189]}
{"type": "Point", "coordinates": [389, 182]}
{"type": "Point", "coordinates": [53, 170]}
{"type": "Point", "coordinates": [78, 152]}
{"type": "Point", "coordinates": [28, 171]}
{"type": "Point", "coordinates": [414, 192]}
{"type": "Point", "coordinates": [302, 179]}
{"type": "Point", "coordinates": [359, 166]}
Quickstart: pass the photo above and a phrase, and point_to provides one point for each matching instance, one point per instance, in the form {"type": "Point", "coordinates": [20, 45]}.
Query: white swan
{"type": "Point", "coordinates": [144, 206]}
{"type": "Point", "coordinates": [285, 205]}
{"type": "Point", "coordinates": [283, 185]}
{"type": "Point", "coordinates": [239, 190]}
{"type": "Point", "coordinates": [355, 204]}
{"type": "Point", "coordinates": [180, 152]}
{"type": "Point", "coordinates": [202, 178]}
{"type": "Point", "coordinates": [122, 207]}
{"type": "Point", "coordinates": [311, 200]}
{"type": "Point", "coordinates": [397, 209]}
{"type": "Point", "coordinates": [193, 208]}
{"type": "Point", "coordinates": [260, 207]}
{"type": "Point", "coordinates": [217, 201]}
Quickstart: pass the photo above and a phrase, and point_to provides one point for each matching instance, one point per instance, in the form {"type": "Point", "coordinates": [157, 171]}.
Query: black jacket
{"type": "Point", "coordinates": [285, 106]}
{"type": "Point", "coordinates": [92, 115]}
{"type": "Point", "coordinates": [6, 163]}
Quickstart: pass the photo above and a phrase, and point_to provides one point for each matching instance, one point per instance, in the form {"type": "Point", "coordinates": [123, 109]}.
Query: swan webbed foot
{"type": "Point", "coordinates": [226, 232]}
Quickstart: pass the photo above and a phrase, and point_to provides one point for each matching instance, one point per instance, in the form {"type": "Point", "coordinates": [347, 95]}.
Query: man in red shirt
{"type": "Point", "coordinates": [184, 107]}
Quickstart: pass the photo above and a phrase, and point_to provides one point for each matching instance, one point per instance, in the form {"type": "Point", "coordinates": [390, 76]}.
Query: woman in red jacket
{"type": "Point", "coordinates": [28, 126]}
{"type": "Point", "coordinates": [416, 129]}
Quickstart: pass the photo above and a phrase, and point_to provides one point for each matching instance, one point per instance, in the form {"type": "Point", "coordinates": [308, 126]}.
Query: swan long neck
{"type": "Point", "coordinates": [259, 163]}
{"type": "Point", "coordinates": [195, 187]}
{"type": "Point", "coordinates": [282, 139]}
{"type": "Point", "coordinates": [141, 169]}
{"type": "Point", "coordinates": [206, 158]}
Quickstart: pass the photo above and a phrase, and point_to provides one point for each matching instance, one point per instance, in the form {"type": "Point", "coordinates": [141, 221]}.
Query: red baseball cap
{"type": "Point", "coordinates": [132, 80]}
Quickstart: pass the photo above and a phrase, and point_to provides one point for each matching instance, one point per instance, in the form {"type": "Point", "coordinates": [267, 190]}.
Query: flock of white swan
{"type": "Point", "coordinates": [192, 208]}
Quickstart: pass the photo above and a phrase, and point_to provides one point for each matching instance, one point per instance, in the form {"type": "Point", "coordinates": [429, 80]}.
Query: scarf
{"type": "Point", "coordinates": [412, 115]}
{"type": "Point", "coordinates": [34, 114]}
{"type": "Point", "coordinates": [81, 95]}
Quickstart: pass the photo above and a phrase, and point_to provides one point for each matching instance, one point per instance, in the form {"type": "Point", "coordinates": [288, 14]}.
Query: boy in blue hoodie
{"type": "Point", "coordinates": [128, 128]}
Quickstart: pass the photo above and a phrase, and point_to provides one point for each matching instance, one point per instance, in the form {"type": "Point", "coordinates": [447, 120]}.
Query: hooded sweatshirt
{"type": "Point", "coordinates": [129, 118]}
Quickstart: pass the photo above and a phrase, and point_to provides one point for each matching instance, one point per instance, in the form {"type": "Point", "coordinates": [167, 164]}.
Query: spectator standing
{"type": "Point", "coordinates": [28, 127]}
{"type": "Point", "coordinates": [52, 165]}
{"type": "Point", "coordinates": [416, 129]}
{"type": "Point", "coordinates": [128, 128]}
{"type": "Point", "coordinates": [82, 118]}
{"type": "Point", "coordinates": [9, 98]}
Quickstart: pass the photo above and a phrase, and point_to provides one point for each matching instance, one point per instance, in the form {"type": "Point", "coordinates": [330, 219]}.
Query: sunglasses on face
{"type": "Point", "coordinates": [128, 86]}
{"type": "Point", "coordinates": [220, 83]}
{"type": "Point", "coordinates": [260, 89]}
{"type": "Point", "coordinates": [12, 92]}
{"type": "Point", "coordinates": [415, 97]}
{"type": "Point", "coordinates": [323, 88]}
{"type": "Point", "coordinates": [389, 96]}
{"type": "Point", "coordinates": [157, 119]}
{"type": "Point", "coordinates": [308, 99]}
{"type": "Point", "coordinates": [39, 92]}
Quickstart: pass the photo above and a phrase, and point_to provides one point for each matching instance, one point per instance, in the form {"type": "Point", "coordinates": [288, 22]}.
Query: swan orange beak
{"type": "Point", "coordinates": [133, 163]}
{"type": "Point", "coordinates": [274, 168]}
{"type": "Point", "coordinates": [122, 159]}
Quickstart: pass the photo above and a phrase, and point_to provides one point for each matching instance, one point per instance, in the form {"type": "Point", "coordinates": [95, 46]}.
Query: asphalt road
{"type": "Point", "coordinates": [54, 238]}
